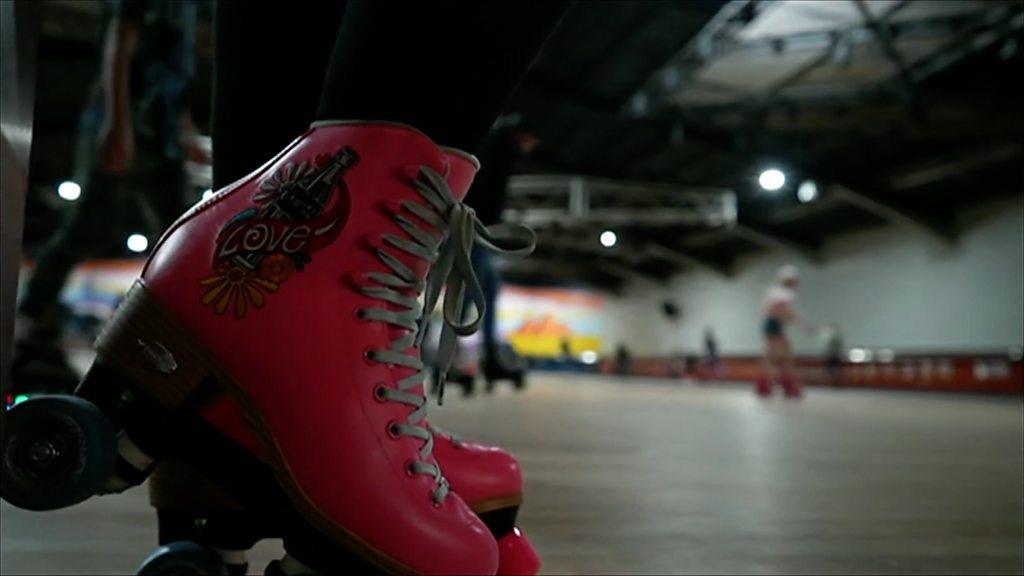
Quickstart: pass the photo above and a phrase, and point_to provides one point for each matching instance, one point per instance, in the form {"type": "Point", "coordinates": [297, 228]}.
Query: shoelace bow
{"type": "Point", "coordinates": [451, 269]}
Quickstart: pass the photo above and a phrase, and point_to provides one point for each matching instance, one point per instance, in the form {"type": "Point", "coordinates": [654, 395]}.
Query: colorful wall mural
{"type": "Point", "coordinates": [549, 322]}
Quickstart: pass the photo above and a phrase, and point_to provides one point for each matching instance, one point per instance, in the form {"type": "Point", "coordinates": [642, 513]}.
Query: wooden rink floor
{"type": "Point", "coordinates": [643, 476]}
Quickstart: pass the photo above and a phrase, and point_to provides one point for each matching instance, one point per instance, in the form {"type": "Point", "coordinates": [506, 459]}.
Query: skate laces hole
{"type": "Point", "coordinates": [393, 431]}
{"type": "Point", "coordinates": [380, 393]}
{"type": "Point", "coordinates": [410, 469]}
{"type": "Point", "coordinates": [369, 356]}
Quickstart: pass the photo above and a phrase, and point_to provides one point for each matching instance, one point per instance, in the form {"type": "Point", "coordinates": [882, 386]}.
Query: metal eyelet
{"type": "Point", "coordinates": [360, 314]}
{"type": "Point", "coordinates": [434, 502]}
{"type": "Point", "coordinates": [408, 469]}
{"type": "Point", "coordinates": [379, 393]}
{"type": "Point", "coordinates": [368, 355]}
{"type": "Point", "coordinates": [392, 430]}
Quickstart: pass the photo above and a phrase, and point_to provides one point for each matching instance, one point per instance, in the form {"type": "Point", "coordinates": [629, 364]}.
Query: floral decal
{"type": "Point", "coordinates": [236, 287]}
{"type": "Point", "coordinates": [276, 268]}
{"type": "Point", "coordinates": [300, 208]}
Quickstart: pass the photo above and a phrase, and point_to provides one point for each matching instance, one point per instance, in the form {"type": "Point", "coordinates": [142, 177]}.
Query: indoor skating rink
{"type": "Point", "coordinates": [632, 475]}
{"type": "Point", "coordinates": [722, 194]}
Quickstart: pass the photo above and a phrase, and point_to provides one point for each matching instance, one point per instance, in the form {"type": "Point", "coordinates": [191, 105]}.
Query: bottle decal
{"type": "Point", "coordinates": [300, 209]}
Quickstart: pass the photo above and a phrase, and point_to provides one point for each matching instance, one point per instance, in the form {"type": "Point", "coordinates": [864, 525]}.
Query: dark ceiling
{"type": "Point", "coordinates": [902, 112]}
{"type": "Point", "coordinates": [913, 148]}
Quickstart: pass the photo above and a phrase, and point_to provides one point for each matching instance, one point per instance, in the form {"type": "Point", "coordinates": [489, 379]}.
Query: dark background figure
{"type": "Point", "coordinates": [690, 363]}
{"type": "Point", "coordinates": [129, 157]}
{"type": "Point", "coordinates": [623, 360]}
{"type": "Point", "coordinates": [712, 358]}
{"type": "Point", "coordinates": [566, 349]}
{"type": "Point", "coordinates": [834, 353]}
{"type": "Point", "coordinates": [509, 140]}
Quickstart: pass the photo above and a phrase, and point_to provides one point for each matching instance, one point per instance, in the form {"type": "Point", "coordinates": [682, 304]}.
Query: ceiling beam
{"type": "Point", "coordinates": [548, 269]}
{"type": "Point", "coordinates": [774, 241]}
{"type": "Point", "coordinates": [707, 239]}
{"type": "Point", "coordinates": [605, 111]}
{"type": "Point", "coordinates": [755, 236]}
{"type": "Point", "coordinates": [679, 258]}
{"type": "Point", "coordinates": [800, 211]}
{"type": "Point", "coordinates": [895, 214]}
{"type": "Point", "coordinates": [523, 184]}
{"type": "Point", "coordinates": [939, 169]}
{"type": "Point", "coordinates": [608, 217]}
{"type": "Point", "coordinates": [885, 39]}
{"type": "Point", "coordinates": [606, 258]}
{"type": "Point", "coordinates": [989, 27]}
{"type": "Point", "coordinates": [666, 204]}
{"type": "Point", "coordinates": [686, 259]}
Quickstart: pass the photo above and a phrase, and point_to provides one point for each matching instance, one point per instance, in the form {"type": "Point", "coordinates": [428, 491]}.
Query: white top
{"type": "Point", "coordinates": [779, 302]}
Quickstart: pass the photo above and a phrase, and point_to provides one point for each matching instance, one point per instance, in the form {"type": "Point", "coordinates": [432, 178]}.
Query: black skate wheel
{"type": "Point", "coordinates": [183, 559]}
{"type": "Point", "coordinates": [57, 452]}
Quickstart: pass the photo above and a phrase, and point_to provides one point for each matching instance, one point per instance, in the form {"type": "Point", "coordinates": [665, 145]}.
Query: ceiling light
{"type": "Point", "coordinates": [69, 190]}
{"type": "Point", "coordinates": [807, 191]}
{"type": "Point", "coordinates": [608, 238]}
{"type": "Point", "coordinates": [772, 179]}
{"type": "Point", "coordinates": [137, 243]}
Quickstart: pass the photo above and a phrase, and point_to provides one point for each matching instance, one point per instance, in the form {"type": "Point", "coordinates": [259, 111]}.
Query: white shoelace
{"type": "Point", "coordinates": [451, 268]}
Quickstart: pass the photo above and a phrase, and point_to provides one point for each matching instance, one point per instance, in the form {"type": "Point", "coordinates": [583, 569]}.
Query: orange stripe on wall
{"type": "Point", "coordinates": [577, 297]}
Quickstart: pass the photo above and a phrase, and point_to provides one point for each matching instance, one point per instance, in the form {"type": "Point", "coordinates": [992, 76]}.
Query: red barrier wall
{"type": "Point", "coordinates": [949, 372]}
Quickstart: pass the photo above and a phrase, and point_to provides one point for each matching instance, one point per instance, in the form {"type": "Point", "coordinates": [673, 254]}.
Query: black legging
{"type": "Point", "coordinates": [442, 67]}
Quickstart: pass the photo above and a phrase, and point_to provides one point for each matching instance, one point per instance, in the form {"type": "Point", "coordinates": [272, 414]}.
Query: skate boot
{"type": "Point", "coordinates": [464, 380]}
{"type": "Point", "coordinates": [763, 387]}
{"type": "Point", "coordinates": [192, 511]}
{"type": "Point", "coordinates": [518, 556]}
{"type": "Point", "coordinates": [296, 291]}
{"type": "Point", "coordinates": [502, 364]}
{"type": "Point", "coordinates": [791, 388]}
{"type": "Point", "coordinates": [485, 477]}
{"type": "Point", "coordinates": [488, 479]}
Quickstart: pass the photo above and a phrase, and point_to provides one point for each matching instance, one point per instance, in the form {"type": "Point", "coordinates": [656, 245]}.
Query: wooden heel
{"type": "Point", "coordinates": [153, 350]}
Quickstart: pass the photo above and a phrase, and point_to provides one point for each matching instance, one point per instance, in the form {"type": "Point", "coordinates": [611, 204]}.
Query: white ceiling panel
{"type": "Point", "coordinates": [754, 70]}
{"type": "Point", "coordinates": [807, 16]}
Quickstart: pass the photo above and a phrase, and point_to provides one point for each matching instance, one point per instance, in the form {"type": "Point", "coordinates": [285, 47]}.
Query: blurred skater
{"type": "Point", "coordinates": [834, 353]}
{"type": "Point", "coordinates": [779, 309]}
{"type": "Point", "coordinates": [509, 140]}
{"type": "Point", "coordinates": [623, 360]}
{"type": "Point", "coordinates": [130, 156]}
{"type": "Point", "coordinates": [712, 358]}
